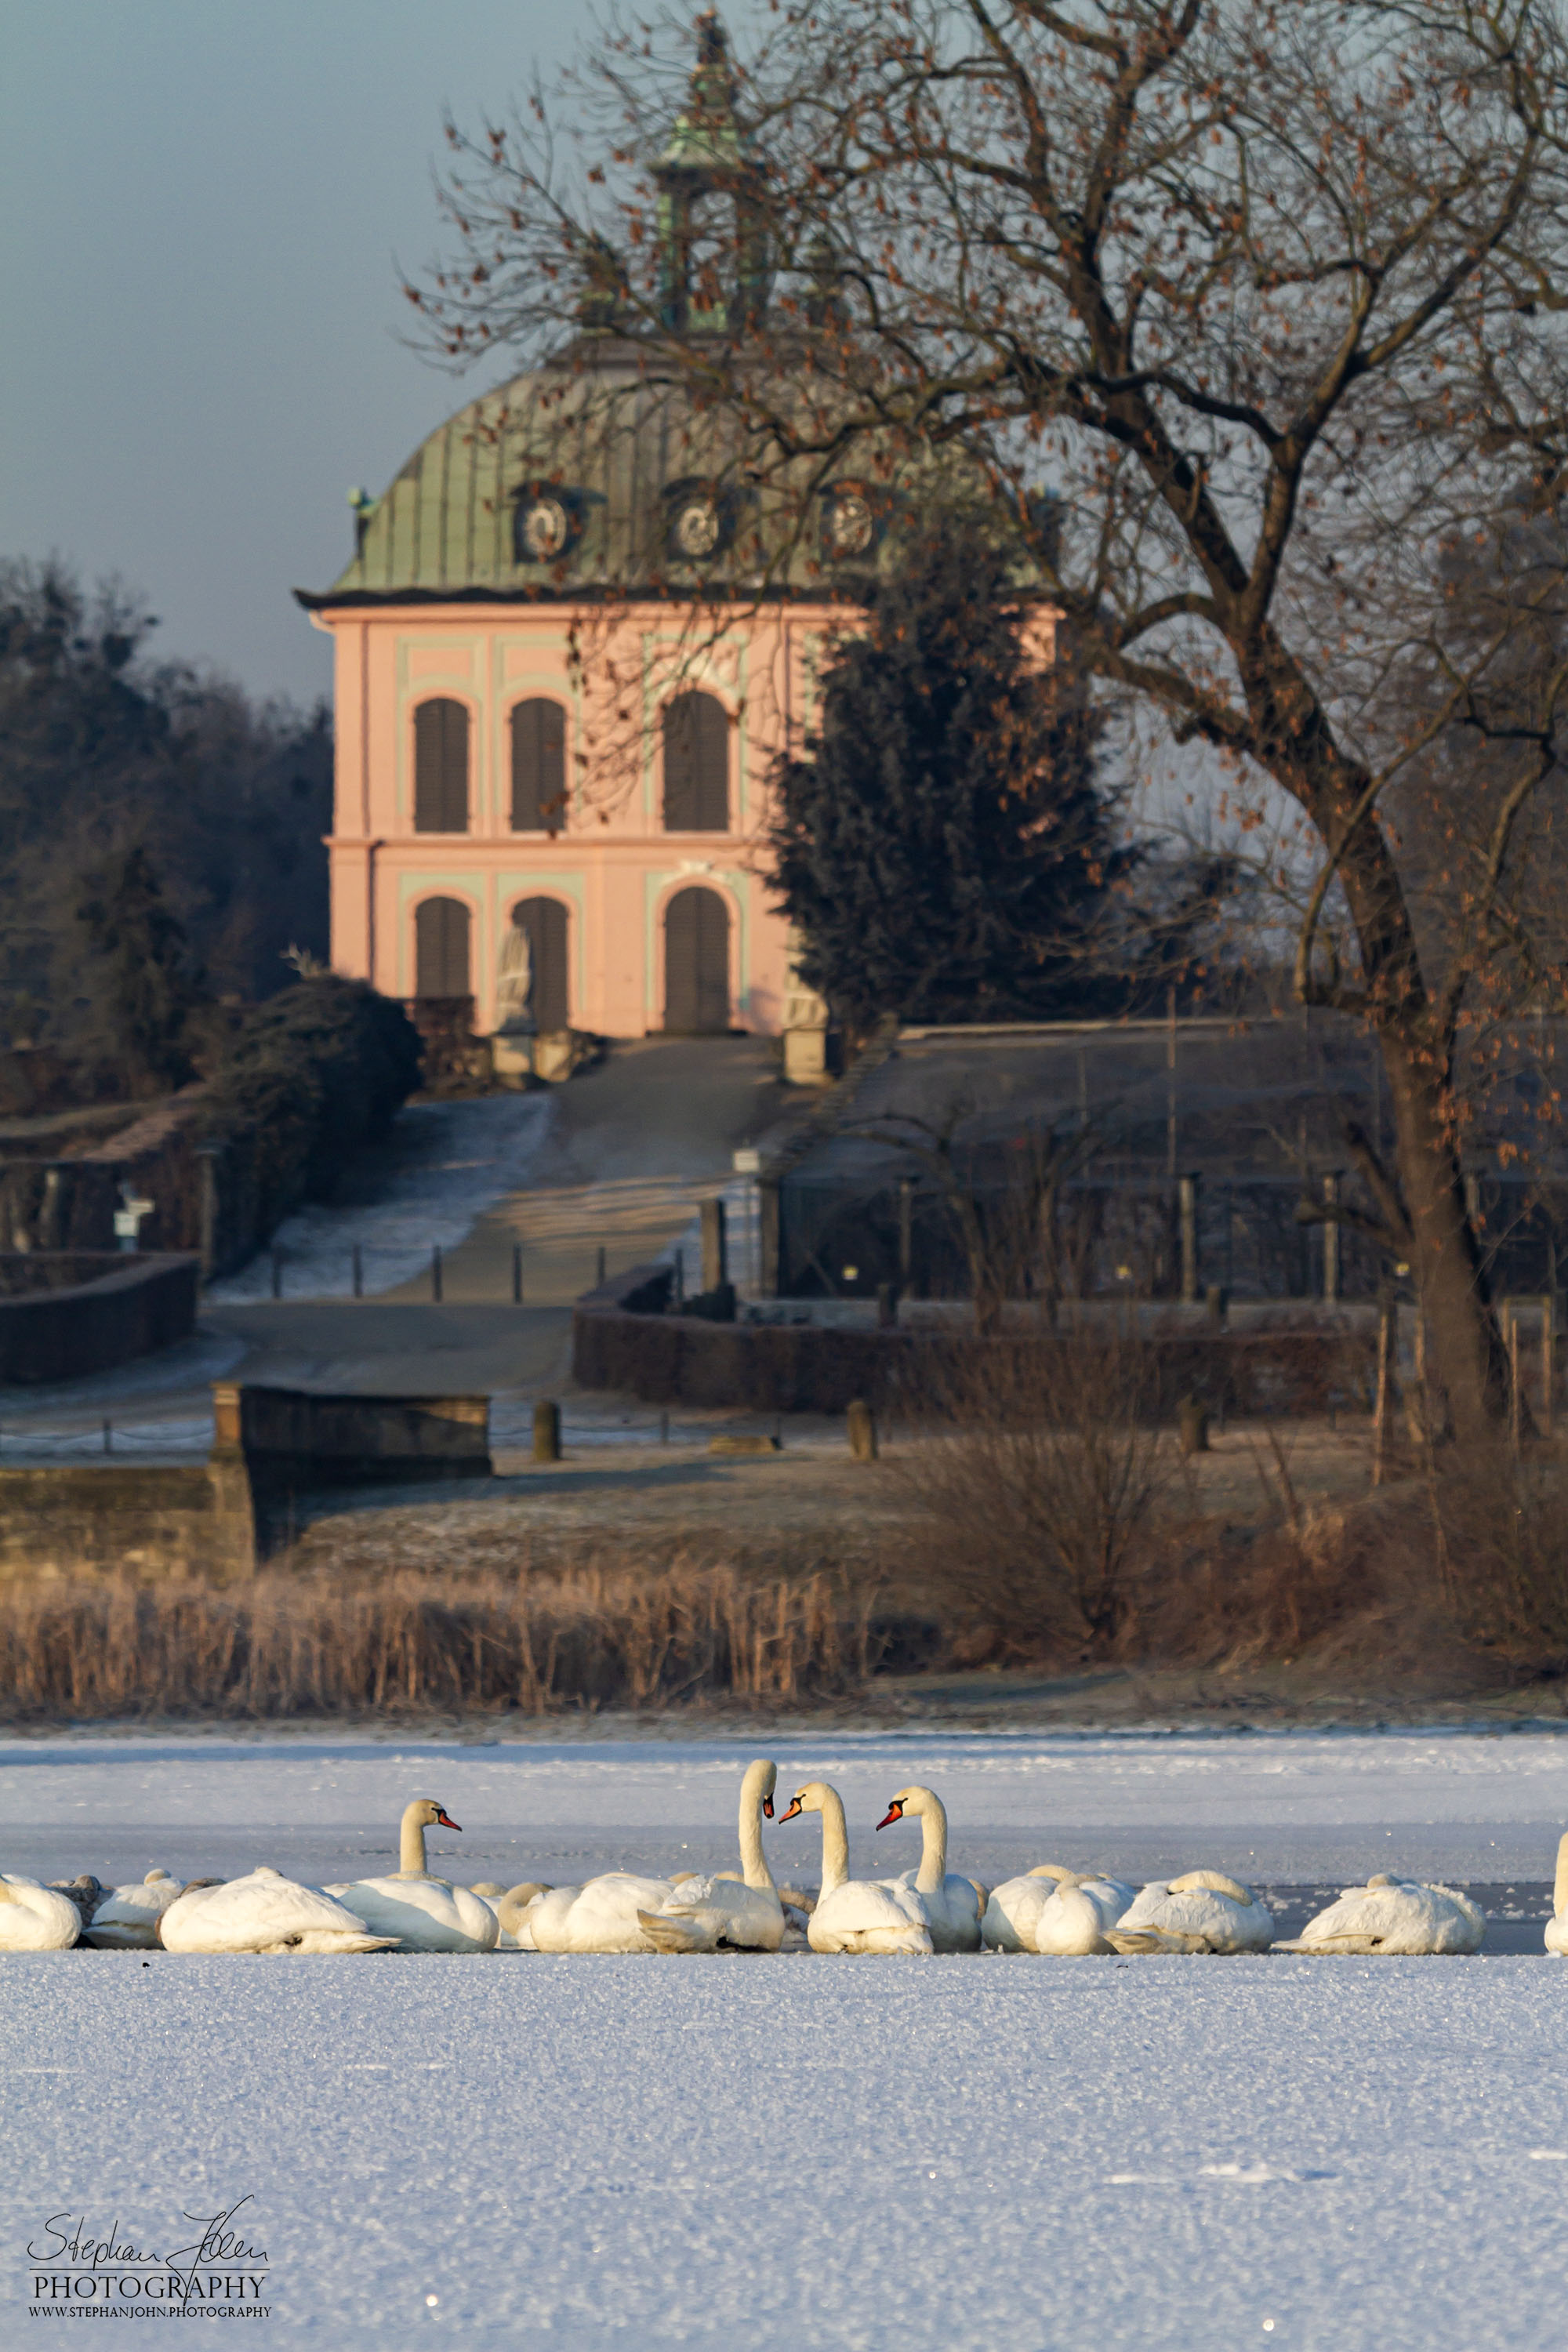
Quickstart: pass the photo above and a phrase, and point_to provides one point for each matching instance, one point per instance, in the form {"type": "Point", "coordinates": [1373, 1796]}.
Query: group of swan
{"type": "Point", "coordinates": [1051, 1909]}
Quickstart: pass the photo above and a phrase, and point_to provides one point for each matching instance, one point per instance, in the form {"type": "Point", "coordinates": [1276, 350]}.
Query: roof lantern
{"type": "Point", "coordinates": [712, 234]}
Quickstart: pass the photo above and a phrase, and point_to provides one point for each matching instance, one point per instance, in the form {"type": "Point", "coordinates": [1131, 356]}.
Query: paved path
{"type": "Point", "coordinates": [634, 1146]}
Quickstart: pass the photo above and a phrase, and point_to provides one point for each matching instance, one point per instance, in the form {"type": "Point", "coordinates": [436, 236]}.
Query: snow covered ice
{"type": "Point", "coordinates": [945, 2153]}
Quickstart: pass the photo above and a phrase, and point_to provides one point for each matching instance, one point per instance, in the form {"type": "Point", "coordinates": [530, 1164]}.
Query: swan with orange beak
{"type": "Point", "coordinates": [954, 1905]}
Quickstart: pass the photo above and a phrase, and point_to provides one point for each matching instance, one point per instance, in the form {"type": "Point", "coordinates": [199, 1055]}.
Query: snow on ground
{"type": "Point", "coordinates": [938, 2154]}
{"type": "Point", "coordinates": [837, 2154]}
{"type": "Point", "coordinates": [444, 1164]}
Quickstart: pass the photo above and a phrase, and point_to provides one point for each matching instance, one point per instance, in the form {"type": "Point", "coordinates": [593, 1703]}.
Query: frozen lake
{"type": "Point", "coordinates": [1287, 1805]}
{"type": "Point", "coordinates": [939, 2154]}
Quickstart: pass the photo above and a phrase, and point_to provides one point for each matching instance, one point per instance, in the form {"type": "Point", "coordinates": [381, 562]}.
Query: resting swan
{"type": "Point", "coordinates": [1557, 1926]}
{"type": "Point", "coordinates": [1053, 1910]}
{"type": "Point", "coordinates": [953, 1904]}
{"type": "Point", "coordinates": [855, 1914]}
{"type": "Point", "coordinates": [1396, 1915]}
{"type": "Point", "coordinates": [1203, 1911]}
{"type": "Point", "coordinates": [417, 1912]}
{"type": "Point", "coordinates": [621, 1912]}
{"type": "Point", "coordinates": [744, 1913]}
{"type": "Point", "coordinates": [34, 1918]}
{"type": "Point", "coordinates": [126, 1919]}
{"type": "Point", "coordinates": [263, 1913]}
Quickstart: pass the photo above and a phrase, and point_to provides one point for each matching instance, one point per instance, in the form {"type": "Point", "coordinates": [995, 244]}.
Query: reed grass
{"type": "Point", "coordinates": [283, 1644]}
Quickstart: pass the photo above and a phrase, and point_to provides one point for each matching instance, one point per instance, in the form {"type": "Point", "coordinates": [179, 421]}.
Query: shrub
{"type": "Point", "coordinates": [1039, 1478]}
{"type": "Point", "coordinates": [317, 1071]}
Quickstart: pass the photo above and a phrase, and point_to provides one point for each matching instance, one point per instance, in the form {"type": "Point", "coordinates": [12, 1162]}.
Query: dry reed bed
{"type": "Point", "coordinates": [285, 1644]}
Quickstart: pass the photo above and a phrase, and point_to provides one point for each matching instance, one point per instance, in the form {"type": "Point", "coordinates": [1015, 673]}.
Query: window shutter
{"type": "Point", "coordinates": [696, 961]}
{"type": "Point", "coordinates": [538, 767]}
{"type": "Point", "coordinates": [441, 766]}
{"type": "Point", "coordinates": [696, 765]}
{"type": "Point", "coordinates": [441, 948]}
{"type": "Point", "coordinates": [545, 921]}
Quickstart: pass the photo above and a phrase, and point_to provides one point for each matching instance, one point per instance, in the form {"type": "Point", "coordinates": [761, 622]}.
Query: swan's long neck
{"type": "Point", "coordinates": [412, 1862]}
{"type": "Point", "coordinates": [1559, 1892]}
{"type": "Point", "coordinates": [834, 1843]}
{"type": "Point", "coordinates": [753, 1861]}
{"type": "Point", "coordinates": [933, 1847]}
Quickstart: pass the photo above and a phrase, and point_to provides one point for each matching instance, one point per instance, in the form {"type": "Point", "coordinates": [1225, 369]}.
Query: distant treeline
{"type": "Point", "coordinates": [160, 839]}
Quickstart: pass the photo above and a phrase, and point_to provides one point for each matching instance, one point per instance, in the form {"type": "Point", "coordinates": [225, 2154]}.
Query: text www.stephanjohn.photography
{"type": "Point", "coordinates": [74, 2272]}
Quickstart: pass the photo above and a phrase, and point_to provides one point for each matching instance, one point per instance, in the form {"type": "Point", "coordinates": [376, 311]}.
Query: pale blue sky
{"type": "Point", "coordinates": [202, 200]}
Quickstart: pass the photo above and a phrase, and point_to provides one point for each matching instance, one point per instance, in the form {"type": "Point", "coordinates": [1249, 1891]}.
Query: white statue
{"type": "Point", "coordinates": [514, 980]}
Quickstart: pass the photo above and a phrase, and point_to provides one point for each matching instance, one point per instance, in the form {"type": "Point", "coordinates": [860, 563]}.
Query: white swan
{"type": "Point", "coordinates": [1202, 1911]}
{"type": "Point", "coordinates": [1053, 1910]}
{"type": "Point", "coordinates": [744, 1913]}
{"type": "Point", "coordinates": [126, 1919]}
{"type": "Point", "coordinates": [855, 1914]}
{"type": "Point", "coordinates": [263, 1913]}
{"type": "Point", "coordinates": [1557, 1926]}
{"type": "Point", "coordinates": [34, 1918]}
{"type": "Point", "coordinates": [1396, 1916]}
{"type": "Point", "coordinates": [603, 1915]}
{"type": "Point", "coordinates": [953, 1904]}
{"type": "Point", "coordinates": [512, 1909]}
{"type": "Point", "coordinates": [621, 1912]}
{"type": "Point", "coordinates": [417, 1911]}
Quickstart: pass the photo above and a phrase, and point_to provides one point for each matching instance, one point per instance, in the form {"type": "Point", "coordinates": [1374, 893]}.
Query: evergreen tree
{"type": "Point", "coordinates": [102, 749]}
{"type": "Point", "coordinates": [153, 990]}
{"type": "Point", "coordinates": [941, 846]}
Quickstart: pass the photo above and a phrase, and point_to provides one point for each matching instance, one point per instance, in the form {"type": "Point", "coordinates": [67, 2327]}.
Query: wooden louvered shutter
{"type": "Point", "coordinates": [538, 767]}
{"type": "Point", "coordinates": [697, 963]}
{"type": "Point", "coordinates": [441, 766]}
{"type": "Point", "coordinates": [545, 921]}
{"type": "Point", "coordinates": [441, 948]}
{"type": "Point", "coordinates": [696, 765]}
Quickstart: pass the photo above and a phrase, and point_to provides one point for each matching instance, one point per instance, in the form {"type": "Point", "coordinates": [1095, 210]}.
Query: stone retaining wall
{"type": "Point", "coordinates": [145, 1521]}
{"type": "Point", "coordinates": [86, 1311]}
{"type": "Point", "coordinates": [293, 1441]}
{"type": "Point", "coordinates": [623, 1339]}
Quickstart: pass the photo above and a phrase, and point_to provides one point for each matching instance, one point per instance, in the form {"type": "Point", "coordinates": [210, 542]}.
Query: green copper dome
{"type": "Point", "coordinates": [597, 476]}
{"type": "Point", "coordinates": [569, 481]}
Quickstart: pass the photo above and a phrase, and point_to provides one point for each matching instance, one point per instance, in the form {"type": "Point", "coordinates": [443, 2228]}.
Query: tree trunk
{"type": "Point", "coordinates": [1296, 743]}
{"type": "Point", "coordinates": [1464, 1362]}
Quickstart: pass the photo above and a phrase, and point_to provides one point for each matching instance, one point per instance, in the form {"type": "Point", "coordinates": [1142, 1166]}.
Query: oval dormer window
{"type": "Point", "coordinates": [697, 529]}
{"type": "Point", "coordinates": [851, 526]}
{"type": "Point", "coordinates": [545, 530]}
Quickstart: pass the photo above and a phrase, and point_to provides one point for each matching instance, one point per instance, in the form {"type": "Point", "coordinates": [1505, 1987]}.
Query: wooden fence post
{"type": "Point", "coordinates": [1387, 1339]}
{"type": "Point", "coordinates": [1331, 1240]}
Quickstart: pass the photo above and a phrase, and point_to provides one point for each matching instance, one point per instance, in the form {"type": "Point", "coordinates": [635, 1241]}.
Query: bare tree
{"type": "Point", "coordinates": [1269, 293]}
{"type": "Point", "coordinates": [1008, 1230]}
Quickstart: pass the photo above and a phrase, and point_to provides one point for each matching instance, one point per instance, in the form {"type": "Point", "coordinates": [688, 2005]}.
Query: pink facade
{"type": "Point", "coordinates": [605, 852]}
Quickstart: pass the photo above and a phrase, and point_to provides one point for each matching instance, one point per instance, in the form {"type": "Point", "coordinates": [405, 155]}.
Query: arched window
{"type": "Point", "coordinates": [441, 965]}
{"type": "Point", "coordinates": [696, 765]}
{"type": "Point", "coordinates": [696, 961]}
{"type": "Point", "coordinates": [538, 767]}
{"type": "Point", "coordinates": [441, 766]}
{"type": "Point", "coordinates": [549, 1000]}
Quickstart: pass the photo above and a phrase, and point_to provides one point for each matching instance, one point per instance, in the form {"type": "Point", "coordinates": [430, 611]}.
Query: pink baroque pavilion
{"type": "Point", "coordinates": [561, 682]}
